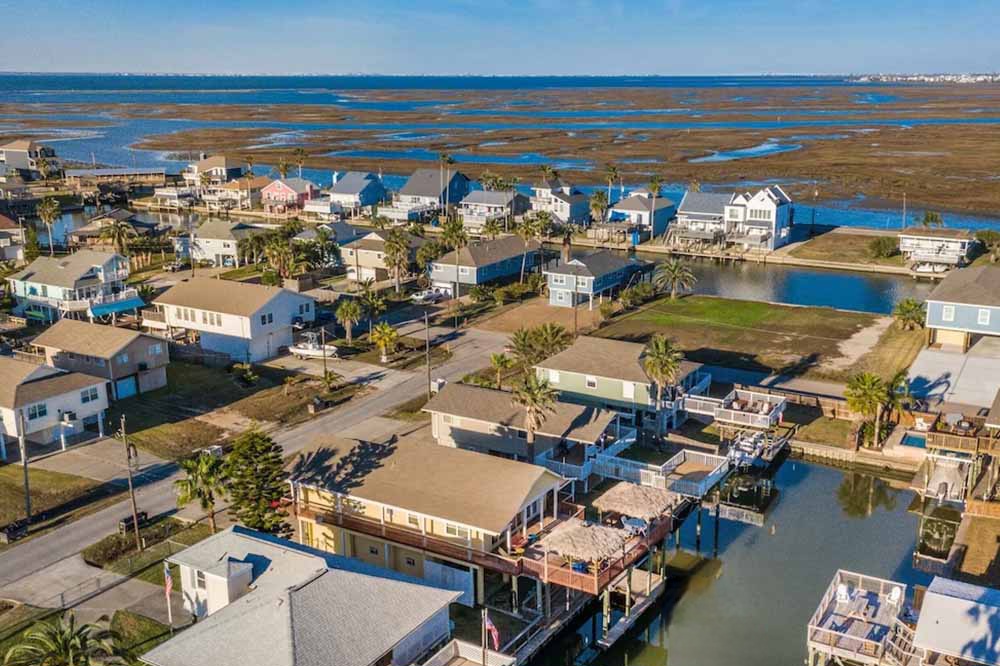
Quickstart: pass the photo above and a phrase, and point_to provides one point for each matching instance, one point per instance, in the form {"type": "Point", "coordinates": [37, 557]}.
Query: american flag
{"type": "Point", "coordinates": [168, 581]}
{"type": "Point", "coordinates": [493, 632]}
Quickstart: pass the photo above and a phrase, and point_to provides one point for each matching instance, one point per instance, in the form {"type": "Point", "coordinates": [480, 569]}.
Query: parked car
{"type": "Point", "coordinates": [298, 324]}
{"type": "Point", "coordinates": [175, 266]}
{"type": "Point", "coordinates": [426, 296]}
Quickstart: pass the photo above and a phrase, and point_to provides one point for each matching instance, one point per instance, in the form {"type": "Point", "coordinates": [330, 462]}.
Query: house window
{"type": "Point", "coordinates": [373, 550]}
{"type": "Point", "coordinates": [456, 531]}
{"type": "Point", "coordinates": [37, 411]}
{"type": "Point", "coordinates": [559, 279]}
{"type": "Point", "coordinates": [199, 580]}
{"type": "Point", "coordinates": [123, 357]}
{"type": "Point", "coordinates": [411, 562]}
{"type": "Point", "coordinates": [628, 390]}
{"type": "Point", "coordinates": [88, 395]}
{"type": "Point", "coordinates": [984, 317]}
{"type": "Point", "coordinates": [948, 313]}
{"type": "Point", "coordinates": [522, 434]}
{"type": "Point", "coordinates": [266, 318]}
{"type": "Point", "coordinates": [155, 350]}
{"type": "Point", "coordinates": [463, 270]}
{"type": "Point", "coordinates": [204, 317]}
{"type": "Point", "coordinates": [270, 317]}
{"type": "Point", "coordinates": [554, 376]}
{"type": "Point", "coordinates": [413, 520]}
{"type": "Point", "coordinates": [591, 382]}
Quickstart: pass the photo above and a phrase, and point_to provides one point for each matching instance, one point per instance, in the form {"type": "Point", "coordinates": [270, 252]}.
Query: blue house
{"type": "Point", "coordinates": [571, 282]}
{"type": "Point", "coordinates": [640, 210]}
{"type": "Point", "coordinates": [964, 307]}
{"type": "Point", "coordinates": [482, 262]}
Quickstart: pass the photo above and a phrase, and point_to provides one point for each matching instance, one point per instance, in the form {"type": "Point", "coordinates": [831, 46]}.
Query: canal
{"type": "Point", "coordinates": [749, 605]}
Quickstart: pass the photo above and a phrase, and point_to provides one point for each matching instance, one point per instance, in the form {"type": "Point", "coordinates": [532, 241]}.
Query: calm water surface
{"type": "Point", "coordinates": [749, 606]}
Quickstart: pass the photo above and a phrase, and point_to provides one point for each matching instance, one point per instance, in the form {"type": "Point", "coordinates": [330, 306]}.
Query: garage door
{"type": "Point", "coordinates": [451, 577]}
{"type": "Point", "coordinates": [125, 388]}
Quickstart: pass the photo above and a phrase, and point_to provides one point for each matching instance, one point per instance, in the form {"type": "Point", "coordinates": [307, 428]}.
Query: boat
{"type": "Point", "coordinates": [311, 347]}
{"type": "Point", "coordinates": [930, 269]}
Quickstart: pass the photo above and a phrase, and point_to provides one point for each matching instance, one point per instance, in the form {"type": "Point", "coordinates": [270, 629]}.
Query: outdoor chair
{"type": "Point", "coordinates": [843, 594]}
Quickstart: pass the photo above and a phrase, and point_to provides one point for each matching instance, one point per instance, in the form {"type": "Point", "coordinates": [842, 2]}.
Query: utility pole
{"type": "Point", "coordinates": [904, 210]}
{"type": "Point", "coordinates": [322, 345]}
{"type": "Point", "coordinates": [131, 454]}
{"type": "Point", "coordinates": [427, 351]}
{"type": "Point", "coordinates": [24, 464]}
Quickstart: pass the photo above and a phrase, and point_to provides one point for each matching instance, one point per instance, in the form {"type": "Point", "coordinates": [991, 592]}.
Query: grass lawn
{"type": "Point", "coordinates": [49, 491]}
{"type": "Point", "coordinates": [816, 428]}
{"type": "Point", "coordinates": [137, 633]}
{"type": "Point", "coordinates": [117, 552]}
{"type": "Point", "coordinates": [744, 334]}
{"type": "Point", "coordinates": [700, 432]}
{"type": "Point", "coordinates": [15, 620]}
{"type": "Point", "coordinates": [410, 410]}
{"type": "Point", "coordinates": [409, 355]}
{"type": "Point", "coordinates": [896, 350]}
{"type": "Point", "coordinates": [241, 273]}
{"type": "Point", "coordinates": [844, 248]}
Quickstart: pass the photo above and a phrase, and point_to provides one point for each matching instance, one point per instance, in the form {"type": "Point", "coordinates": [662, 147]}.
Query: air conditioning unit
{"type": "Point", "coordinates": [438, 384]}
{"type": "Point", "coordinates": [143, 366]}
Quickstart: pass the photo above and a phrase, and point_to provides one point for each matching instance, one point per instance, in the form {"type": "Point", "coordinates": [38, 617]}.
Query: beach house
{"type": "Point", "coordinates": [238, 194]}
{"type": "Point", "coordinates": [761, 221]}
{"type": "Point", "coordinates": [247, 322]}
{"type": "Point", "coordinates": [563, 201]}
{"type": "Point", "coordinates": [597, 274]}
{"type": "Point", "coordinates": [260, 599]}
{"type": "Point", "coordinates": [287, 195]}
{"type": "Point", "coordinates": [218, 241]}
{"type": "Point", "coordinates": [130, 362]}
{"type": "Point", "coordinates": [425, 193]}
{"type": "Point", "coordinates": [701, 218]}
{"type": "Point", "coordinates": [356, 191]}
{"type": "Point", "coordinates": [964, 307]}
{"type": "Point", "coordinates": [937, 247]}
{"type": "Point", "coordinates": [29, 159]}
{"type": "Point", "coordinates": [640, 211]}
{"type": "Point", "coordinates": [46, 404]}
{"type": "Point", "coordinates": [211, 170]}
{"type": "Point", "coordinates": [482, 206]}
{"type": "Point", "coordinates": [364, 257]}
{"type": "Point", "coordinates": [481, 262]}
{"type": "Point", "coordinates": [85, 284]}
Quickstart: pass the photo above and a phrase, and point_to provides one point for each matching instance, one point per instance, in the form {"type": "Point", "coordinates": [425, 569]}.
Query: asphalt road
{"type": "Point", "coordinates": [470, 350]}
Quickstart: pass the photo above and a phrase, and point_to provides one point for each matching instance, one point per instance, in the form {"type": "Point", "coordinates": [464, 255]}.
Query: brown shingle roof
{"type": "Point", "coordinates": [62, 271]}
{"type": "Point", "coordinates": [978, 285]}
{"type": "Point", "coordinates": [255, 183]}
{"type": "Point", "coordinates": [603, 357]}
{"type": "Point", "coordinates": [226, 296]}
{"type": "Point", "coordinates": [569, 421]}
{"type": "Point", "coordinates": [23, 383]}
{"type": "Point", "coordinates": [83, 337]}
{"type": "Point", "coordinates": [460, 486]}
{"type": "Point", "coordinates": [957, 234]}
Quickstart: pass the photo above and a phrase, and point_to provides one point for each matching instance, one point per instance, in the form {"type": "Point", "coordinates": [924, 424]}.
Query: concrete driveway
{"type": "Point", "coordinates": [102, 460]}
{"type": "Point", "coordinates": [972, 378]}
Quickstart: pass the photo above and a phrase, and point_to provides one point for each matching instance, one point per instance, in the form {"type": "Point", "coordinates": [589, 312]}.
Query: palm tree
{"type": "Point", "coordinates": [428, 253]}
{"type": "Point", "coordinates": [118, 233]}
{"type": "Point", "coordinates": [674, 275]}
{"type": "Point", "coordinates": [48, 212]}
{"type": "Point", "coordinates": [931, 219]}
{"type": "Point", "coordinates": [866, 394]}
{"type": "Point", "coordinates": [397, 255]}
{"type": "Point", "coordinates": [694, 186]}
{"type": "Point", "coordinates": [909, 314]}
{"type": "Point", "coordinates": [538, 399]}
{"type": "Point", "coordinates": [146, 292]}
{"type": "Point", "coordinates": [550, 339]}
{"type": "Point", "coordinates": [548, 173]}
{"type": "Point", "coordinates": [898, 393]}
{"type": "Point", "coordinates": [415, 228]}
{"type": "Point", "coordinates": [279, 254]}
{"type": "Point", "coordinates": [374, 304]}
{"type": "Point", "coordinates": [661, 361]}
{"type": "Point", "coordinates": [349, 314]}
{"type": "Point", "coordinates": [249, 160]}
{"type": "Point", "coordinates": [385, 337]}
{"type": "Point", "coordinates": [654, 187]}
{"type": "Point", "coordinates": [64, 643]}
{"type": "Point", "coordinates": [598, 205]}
{"type": "Point", "coordinates": [523, 346]}
{"type": "Point", "coordinates": [611, 174]}
{"type": "Point", "coordinates": [282, 167]}
{"type": "Point", "coordinates": [455, 237]}
{"type": "Point", "coordinates": [204, 481]}
{"type": "Point", "coordinates": [44, 167]}
{"type": "Point", "coordinates": [446, 160]}
{"type": "Point", "coordinates": [491, 228]}
{"type": "Point", "coordinates": [500, 363]}
{"type": "Point", "coordinates": [490, 181]}
{"type": "Point", "coordinates": [299, 155]}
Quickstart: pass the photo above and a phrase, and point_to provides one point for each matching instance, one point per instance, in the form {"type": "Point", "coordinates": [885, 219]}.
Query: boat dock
{"type": "Point", "coordinates": [641, 589]}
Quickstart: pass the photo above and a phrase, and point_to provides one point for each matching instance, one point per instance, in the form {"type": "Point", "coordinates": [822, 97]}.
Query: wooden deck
{"type": "Point", "coordinates": [641, 602]}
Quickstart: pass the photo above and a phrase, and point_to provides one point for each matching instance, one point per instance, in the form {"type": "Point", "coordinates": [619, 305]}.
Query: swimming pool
{"type": "Point", "coordinates": [915, 440]}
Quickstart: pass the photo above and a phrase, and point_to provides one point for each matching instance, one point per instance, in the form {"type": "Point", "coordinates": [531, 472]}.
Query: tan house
{"type": "Point", "coordinates": [364, 257]}
{"type": "Point", "coordinates": [131, 362]}
{"type": "Point", "coordinates": [487, 420]}
{"type": "Point", "coordinates": [442, 514]}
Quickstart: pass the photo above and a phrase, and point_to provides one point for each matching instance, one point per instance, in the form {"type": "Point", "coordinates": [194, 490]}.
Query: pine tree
{"type": "Point", "coordinates": [31, 247]}
{"type": "Point", "coordinates": [257, 483]}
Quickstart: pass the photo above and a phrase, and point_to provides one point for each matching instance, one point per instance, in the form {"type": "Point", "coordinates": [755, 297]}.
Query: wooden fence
{"type": "Point", "coordinates": [195, 354]}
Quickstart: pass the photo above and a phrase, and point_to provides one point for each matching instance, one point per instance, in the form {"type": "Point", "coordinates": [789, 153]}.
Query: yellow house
{"type": "Point", "coordinates": [434, 512]}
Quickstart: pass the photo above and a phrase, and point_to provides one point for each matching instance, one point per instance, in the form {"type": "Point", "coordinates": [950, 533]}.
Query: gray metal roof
{"type": "Point", "coordinates": [489, 197]}
{"type": "Point", "coordinates": [300, 185]}
{"type": "Point", "coordinates": [63, 271]}
{"type": "Point", "coordinates": [978, 285]}
{"type": "Point", "coordinates": [642, 203]}
{"type": "Point", "coordinates": [353, 182]}
{"type": "Point", "coordinates": [305, 607]}
{"type": "Point", "coordinates": [959, 620]}
{"type": "Point", "coordinates": [595, 265]}
{"type": "Point", "coordinates": [707, 203]}
{"type": "Point", "coordinates": [489, 252]}
{"type": "Point", "coordinates": [427, 183]}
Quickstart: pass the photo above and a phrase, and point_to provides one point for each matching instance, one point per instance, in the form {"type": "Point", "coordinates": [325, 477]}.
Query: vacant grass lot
{"type": "Point", "coordinates": [49, 490]}
{"type": "Point", "coordinates": [816, 428]}
{"type": "Point", "coordinates": [138, 634]}
{"type": "Point", "coordinates": [844, 248]}
{"type": "Point", "coordinates": [744, 334]}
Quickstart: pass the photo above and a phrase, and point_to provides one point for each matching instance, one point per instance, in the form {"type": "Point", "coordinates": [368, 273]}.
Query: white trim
{"type": "Point", "coordinates": [948, 313]}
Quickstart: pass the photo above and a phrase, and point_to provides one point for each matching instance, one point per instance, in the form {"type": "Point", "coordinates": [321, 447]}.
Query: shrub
{"type": "Point", "coordinates": [501, 295]}
{"type": "Point", "coordinates": [480, 293]}
{"type": "Point", "coordinates": [536, 283]}
{"type": "Point", "coordinates": [606, 309]}
{"type": "Point", "coordinates": [883, 247]}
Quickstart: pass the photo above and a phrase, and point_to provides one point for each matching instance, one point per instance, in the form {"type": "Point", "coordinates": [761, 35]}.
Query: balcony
{"type": "Point", "coordinates": [577, 462]}
{"type": "Point", "coordinates": [960, 433]}
{"type": "Point", "coordinates": [99, 299]}
{"type": "Point", "coordinates": [460, 653]}
{"type": "Point", "coordinates": [688, 473]}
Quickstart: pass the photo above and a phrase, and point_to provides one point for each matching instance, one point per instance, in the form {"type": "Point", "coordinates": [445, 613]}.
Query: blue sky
{"type": "Point", "coordinates": [501, 37]}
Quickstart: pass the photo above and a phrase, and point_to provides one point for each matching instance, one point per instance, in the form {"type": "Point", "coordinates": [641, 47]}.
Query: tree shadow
{"type": "Point", "coordinates": [341, 468]}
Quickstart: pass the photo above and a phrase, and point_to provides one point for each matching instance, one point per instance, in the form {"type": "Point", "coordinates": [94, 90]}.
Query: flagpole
{"type": "Point", "coordinates": [484, 636]}
{"type": "Point", "coordinates": [168, 587]}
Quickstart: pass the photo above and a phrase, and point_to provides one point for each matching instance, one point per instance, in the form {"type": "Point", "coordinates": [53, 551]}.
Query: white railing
{"type": "Point", "coordinates": [99, 299]}
{"type": "Point", "coordinates": [700, 405]}
{"type": "Point", "coordinates": [627, 438]}
{"type": "Point", "coordinates": [456, 650]}
{"type": "Point", "coordinates": [658, 476]}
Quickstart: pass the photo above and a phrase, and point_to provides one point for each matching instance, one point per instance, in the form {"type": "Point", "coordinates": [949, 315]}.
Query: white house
{"type": "Point", "coordinates": [481, 206]}
{"type": "Point", "coordinates": [564, 202]}
{"type": "Point", "coordinates": [760, 221]}
{"type": "Point", "coordinates": [217, 241]}
{"type": "Point", "coordinates": [46, 404]}
{"type": "Point", "coordinates": [424, 193]}
{"type": "Point", "coordinates": [638, 210]}
{"type": "Point", "coordinates": [701, 218]}
{"type": "Point", "coordinates": [249, 322]}
{"type": "Point", "coordinates": [86, 283]}
{"type": "Point", "coordinates": [215, 169]}
{"type": "Point", "coordinates": [27, 158]}
{"type": "Point", "coordinates": [238, 194]}
{"type": "Point", "coordinates": [265, 600]}
{"type": "Point", "coordinates": [946, 247]}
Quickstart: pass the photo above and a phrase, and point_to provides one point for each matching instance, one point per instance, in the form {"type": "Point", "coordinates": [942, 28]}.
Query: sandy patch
{"type": "Point", "coordinates": [853, 348]}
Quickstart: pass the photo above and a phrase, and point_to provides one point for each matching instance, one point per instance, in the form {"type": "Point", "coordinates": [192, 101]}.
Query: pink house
{"type": "Point", "coordinates": [287, 194]}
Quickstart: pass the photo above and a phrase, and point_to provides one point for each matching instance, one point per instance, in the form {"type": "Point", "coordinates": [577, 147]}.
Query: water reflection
{"type": "Point", "coordinates": [750, 605]}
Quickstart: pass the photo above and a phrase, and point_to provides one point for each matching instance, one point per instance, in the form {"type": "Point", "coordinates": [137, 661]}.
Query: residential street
{"type": "Point", "coordinates": [470, 351]}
